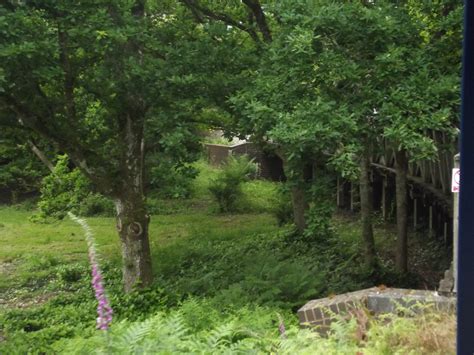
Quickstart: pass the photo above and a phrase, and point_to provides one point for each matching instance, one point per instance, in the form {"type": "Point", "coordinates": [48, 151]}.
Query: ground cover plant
{"type": "Point", "coordinates": [223, 281]}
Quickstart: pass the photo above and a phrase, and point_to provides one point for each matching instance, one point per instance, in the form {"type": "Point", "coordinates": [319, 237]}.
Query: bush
{"type": "Point", "coordinates": [192, 329]}
{"type": "Point", "coordinates": [283, 210]}
{"type": "Point", "coordinates": [226, 188]}
{"type": "Point", "coordinates": [66, 190]}
{"type": "Point", "coordinates": [96, 205]}
{"type": "Point", "coordinates": [318, 217]}
{"type": "Point", "coordinates": [169, 180]}
{"type": "Point", "coordinates": [71, 272]}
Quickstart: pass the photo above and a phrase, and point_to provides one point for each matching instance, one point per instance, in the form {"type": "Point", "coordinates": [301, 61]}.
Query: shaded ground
{"type": "Point", "coordinates": [428, 258]}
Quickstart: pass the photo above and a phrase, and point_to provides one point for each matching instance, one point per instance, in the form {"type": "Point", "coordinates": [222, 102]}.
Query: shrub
{"type": "Point", "coordinates": [71, 272]}
{"type": "Point", "coordinates": [96, 205]}
{"type": "Point", "coordinates": [226, 188]}
{"type": "Point", "coordinates": [169, 180]}
{"type": "Point", "coordinates": [248, 330]}
{"type": "Point", "coordinates": [283, 209]}
{"type": "Point", "coordinates": [67, 189]}
{"type": "Point", "coordinates": [318, 217]}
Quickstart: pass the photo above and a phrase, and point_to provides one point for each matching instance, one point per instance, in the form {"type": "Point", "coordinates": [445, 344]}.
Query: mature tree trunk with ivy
{"type": "Point", "coordinates": [401, 166]}
{"type": "Point", "coordinates": [297, 174]}
{"type": "Point", "coordinates": [300, 206]}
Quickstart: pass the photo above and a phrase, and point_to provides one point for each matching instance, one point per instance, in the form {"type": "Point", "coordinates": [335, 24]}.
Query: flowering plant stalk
{"type": "Point", "coordinates": [281, 326]}
{"type": "Point", "coordinates": [104, 310]}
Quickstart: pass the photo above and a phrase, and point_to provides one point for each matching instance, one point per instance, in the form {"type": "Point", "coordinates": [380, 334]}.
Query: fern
{"type": "Point", "coordinates": [137, 332]}
{"type": "Point", "coordinates": [254, 331]}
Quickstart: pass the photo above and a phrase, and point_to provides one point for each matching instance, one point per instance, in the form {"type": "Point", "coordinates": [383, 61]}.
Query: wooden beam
{"type": "Point", "coordinates": [446, 200]}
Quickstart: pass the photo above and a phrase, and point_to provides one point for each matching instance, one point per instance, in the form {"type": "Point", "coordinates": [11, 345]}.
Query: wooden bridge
{"type": "Point", "coordinates": [430, 202]}
{"type": "Point", "coordinates": [430, 198]}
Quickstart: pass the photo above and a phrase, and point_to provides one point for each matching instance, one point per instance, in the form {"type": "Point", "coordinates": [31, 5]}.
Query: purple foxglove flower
{"type": "Point", "coordinates": [104, 310]}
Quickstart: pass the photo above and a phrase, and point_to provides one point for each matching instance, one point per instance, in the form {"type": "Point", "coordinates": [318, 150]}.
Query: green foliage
{"type": "Point", "coordinates": [335, 78]}
{"type": "Point", "coordinates": [69, 190]}
{"type": "Point", "coordinates": [20, 170]}
{"type": "Point", "coordinates": [170, 181]}
{"type": "Point", "coordinates": [38, 328]}
{"type": "Point", "coordinates": [94, 204]}
{"type": "Point", "coordinates": [71, 273]}
{"type": "Point", "coordinates": [319, 227]}
{"type": "Point", "coordinates": [226, 188]}
{"type": "Point", "coordinates": [235, 268]}
{"type": "Point", "coordinates": [259, 196]}
{"type": "Point", "coordinates": [283, 208]}
{"type": "Point", "coordinates": [173, 148]}
{"type": "Point", "coordinates": [237, 332]}
{"type": "Point", "coordinates": [255, 331]}
{"type": "Point", "coordinates": [217, 140]}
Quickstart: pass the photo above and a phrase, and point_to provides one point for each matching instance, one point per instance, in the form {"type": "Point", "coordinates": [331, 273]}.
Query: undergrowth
{"type": "Point", "coordinates": [222, 282]}
{"type": "Point", "coordinates": [255, 331]}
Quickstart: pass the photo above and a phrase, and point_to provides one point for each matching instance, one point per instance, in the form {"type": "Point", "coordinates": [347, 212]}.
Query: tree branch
{"type": "Point", "coordinates": [256, 8]}
{"type": "Point", "coordinates": [41, 156]}
{"type": "Point", "coordinates": [201, 12]}
{"type": "Point", "coordinates": [72, 147]}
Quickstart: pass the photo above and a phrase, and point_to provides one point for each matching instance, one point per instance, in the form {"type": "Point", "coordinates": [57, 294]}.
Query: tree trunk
{"type": "Point", "coordinates": [300, 206]}
{"type": "Point", "coordinates": [366, 211]}
{"type": "Point", "coordinates": [132, 217]}
{"type": "Point", "coordinates": [298, 200]}
{"type": "Point", "coordinates": [401, 167]}
{"type": "Point", "coordinates": [132, 226]}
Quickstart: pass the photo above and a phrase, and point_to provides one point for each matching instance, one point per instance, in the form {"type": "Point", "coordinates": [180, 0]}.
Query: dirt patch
{"type": "Point", "coordinates": [25, 301]}
{"type": "Point", "coordinates": [7, 268]}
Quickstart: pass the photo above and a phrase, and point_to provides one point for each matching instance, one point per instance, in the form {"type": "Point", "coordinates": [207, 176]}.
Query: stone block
{"type": "Point", "coordinates": [320, 313]}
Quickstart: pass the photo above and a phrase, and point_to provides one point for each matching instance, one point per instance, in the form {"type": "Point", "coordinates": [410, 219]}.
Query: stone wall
{"type": "Point", "coordinates": [320, 313]}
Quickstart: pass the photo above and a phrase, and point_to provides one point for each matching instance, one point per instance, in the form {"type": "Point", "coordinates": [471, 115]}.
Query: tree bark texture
{"type": "Point", "coordinates": [132, 217]}
{"type": "Point", "coordinates": [366, 211]}
{"type": "Point", "coordinates": [300, 206]}
{"type": "Point", "coordinates": [132, 226]}
{"type": "Point", "coordinates": [401, 167]}
{"type": "Point", "coordinates": [298, 199]}
{"type": "Point", "coordinates": [256, 8]}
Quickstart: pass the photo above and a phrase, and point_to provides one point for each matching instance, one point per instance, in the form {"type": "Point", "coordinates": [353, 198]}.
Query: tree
{"type": "Point", "coordinates": [424, 97]}
{"type": "Point", "coordinates": [117, 86]}
{"type": "Point", "coordinates": [315, 91]}
{"type": "Point", "coordinates": [79, 76]}
{"type": "Point", "coordinates": [89, 77]}
{"type": "Point", "coordinates": [283, 109]}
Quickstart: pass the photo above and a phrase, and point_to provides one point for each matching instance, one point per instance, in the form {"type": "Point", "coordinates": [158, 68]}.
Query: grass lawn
{"type": "Point", "coordinates": [29, 251]}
